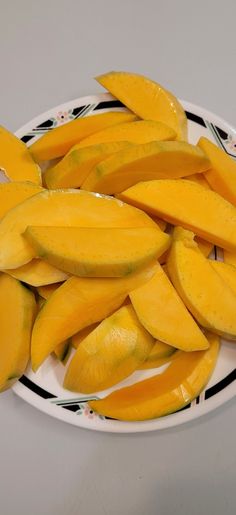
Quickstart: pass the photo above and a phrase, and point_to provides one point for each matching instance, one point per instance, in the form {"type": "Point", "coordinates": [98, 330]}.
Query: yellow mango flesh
{"type": "Point", "coordinates": [61, 208]}
{"type": "Point", "coordinates": [222, 173]}
{"type": "Point", "coordinates": [141, 131]}
{"type": "Point", "coordinates": [13, 193]}
{"type": "Point", "coordinates": [227, 273]}
{"type": "Point", "coordinates": [18, 309]}
{"type": "Point", "coordinates": [109, 354]}
{"type": "Point", "coordinates": [77, 303]}
{"type": "Point", "coordinates": [163, 313]}
{"type": "Point", "coordinates": [187, 204]}
{"type": "Point", "coordinates": [199, 178]}
{"type": "Point", "coordinates": [38, 273]}
{"type": "Point", "coordinates": [81, 335]}
{"type": "Point", "coordinates": [62, 351]}
{"type": "Point", "coordinates": [205, 246]}
{"type": "Point", "coordinates": [16, 160]}
{"type": "Point", "coordinates": [148, 99]}
{"type": "Point", "coordinates": [46, 291]}
{"type": "Point", "coordinates": [159, 355]}
{"type": "Point", "coordinates": [230, 257]}
{"type": "Point", "coordinates": [203, 291]}
{"type": "Point", "coordinates": [57, 142]}
{"type": "Point", "coordinates": [165, 393]}
{"type": "Point", "coordinates": [98, 252]}
{"type": "Point", "coordinates": [73, 169]}
{"type": "Point", "coordinates": [153, 160]}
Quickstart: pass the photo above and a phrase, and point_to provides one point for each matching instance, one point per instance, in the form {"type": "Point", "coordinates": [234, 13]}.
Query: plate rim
{"type": "Point", "coordinates": [174, 419]}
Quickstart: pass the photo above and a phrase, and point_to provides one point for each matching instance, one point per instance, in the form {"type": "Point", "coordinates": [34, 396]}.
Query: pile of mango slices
{"type": "Point", "coordinates": [107, 253]}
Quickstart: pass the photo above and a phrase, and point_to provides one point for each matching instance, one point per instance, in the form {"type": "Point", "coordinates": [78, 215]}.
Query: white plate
{"type": "Point", "coordinates": [43, 389]}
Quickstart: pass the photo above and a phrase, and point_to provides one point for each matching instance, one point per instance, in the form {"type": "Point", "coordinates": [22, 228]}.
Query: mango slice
{"type": "Point", "coordinates": [230, 257]}
{"type": "Point", "coordinates": [222, 173]}
{"type": "Point", "coordinates": [205, 246]}
{"type": "Point", "coordinates": [46, 291]}
{"type": "Point", "coordinates": [61, 208]}
{"type": "Point", "coordinates": [62, 351]}
{"type": "Point", "coordinates": [207, 296]}
{"type": "Point", "coordinates": [57, 142]}
{"type": "Point", "coordinates": [227, 273]}
{"type": "Point", "coordinates": [77, 303]}
{"type": "Point", "coordinates": [146, 98]}
{"type": "Point", "coordinates": [165, 393]}
{"type": "Point", "coordinates": [73, 169]}
{"type": "Point", "coordinates": [38, 273]}
{"type": "Point", "coordinates": [154, 160]}
{"type": "Point", "coordinates": [199, 178]}
{"type": "Point", "coordinates": [16, 160]}
{"type": "Point", "coordinates": [109, 354]}
{"type": "Point", "coordinates": [141, 131]}
{"type": "Point", "coordinates": [13, 193]}
{"type": "Point", "coordinates": [18, 309]}
{"type": "Point", "coordinates": [159, 355]}
{"type": "Point", "coordinates": [81, 335]}
{"type": "Point", "coordinates": [187, 204]}
{"type": "Point", "coordinates": [162, 312]}
{"type": "Point", "coordinates": [99, 251]}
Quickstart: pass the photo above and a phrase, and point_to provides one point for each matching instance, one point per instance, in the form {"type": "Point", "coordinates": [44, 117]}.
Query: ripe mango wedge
{"type": "Point", "coordinates": [37, 273]}
{"type": "Point", "coordinates": [160, 354]}
{"type": "Point", "coordinates": [98, 251]}
{"type": "Point", "coordinates": [190, 205]}
{"type": "Point", "coordinates": [165, 393]}
{"type": "Point", "coordinates": [58, 141]}
{"type": "Point", "coordinates": [75, 166]}
{"type": "Point", "coordinates": [163, 313]}
{"type": "Point", "coordinates": [207, 296]}
{"type": "Point", "coordinates": [153, 160]}
{"type": "Point", "coordinates": [227, 273]}
{"type": "Point", "coordinates": [222, 172]}
{"type": "Point", "coordinates": [148, 99]}
{"type": "Point", "coordinates": [15, 159]}
{"type": "Point", "coordinates": [141, 131]}
{"type": "Point", "coordinates": [13, 193]}
{"type": "Point", "coordinates": [109, 354]}
{"type": "Point", "coordinates": [61, 208]}
{"type": "Point", "coordinates": [17, 313]}
{"type": "Point", "coordinates": [77, 303]}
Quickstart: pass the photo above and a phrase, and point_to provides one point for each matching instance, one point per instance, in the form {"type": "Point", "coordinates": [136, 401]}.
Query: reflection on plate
{"type": "Point", "coordinates": [43, 389]}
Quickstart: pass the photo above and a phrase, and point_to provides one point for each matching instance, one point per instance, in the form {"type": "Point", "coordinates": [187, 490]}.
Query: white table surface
{"type": "Point", "coordinates": [49, 53]}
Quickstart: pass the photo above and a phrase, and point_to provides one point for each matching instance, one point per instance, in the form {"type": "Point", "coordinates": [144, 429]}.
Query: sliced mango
{"type": "Point", "coordinates": [227, 273]}
{"type": "Point", "coordinates": [146, 98]}
{"type": "Point", "coordinates": [187, 204]}
{"type": "Point", "coordinates": [163, 313]}
{"type": "Point", "coordinates": [199, 178]}
{"type": "Point", "coordinates": [38, 273]}
{"type": "Point", "coordinates": [78, 303]}
{"type": "Point", "coordinates": [141, 131]}
{"type": "Point", "coordinates": [61, 208]}
{"type": "Point", "coordinates": [222, 173]}
{"type": "Point", "coordinates": [205, 246]}
{"type": "Point", "coordinates": [207, 296]}
{"type": "Point", "coordinates": [62, 351]}
{"type": "Point", "coordinates": [109, 354]}
{"type": "Point", "coordinates": [13, 193]}
{"type": "Point", "coordinates": [16, 160]}
{"type": "Point", "coordinates": [99, 251]}
{"type": "Point", "coordinates": [230, 257]}
{"type": "Point", "coordinates": [160, 354]}
{"type": "Point", "coordinates": [81, 335]}
{"type": "Point", "coordinates": [18, 309]}
{"type": "Point", "coordinates": [154, 160]}
{"type": "Point", "coordinates": [73, 169]}
{"type": "Point", "coordinates": [165, 393]}
{"type": "Point", "coordinates": [57, 142]}
{"type": "Point", "coordinates": [46, 291]}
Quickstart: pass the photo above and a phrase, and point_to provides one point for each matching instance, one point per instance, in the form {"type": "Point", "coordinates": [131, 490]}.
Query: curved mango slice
{"type": "Point", "coordinates": [207, 296]}
{"type": "Point", "coordinates": [62, 351]}
{"type": "Point", "coordinates": [205, 246]}
{"type": "Point", "coordinates": [57, 142]}
{"type": "Point", "coordinates": [13, 193]}
{"type": "Point", "coordinates": [141, 131]}
{"type": "Point", "coordinates": [165, 393]}
{"type": "Point", "coordinates": [16, 160]}
{"type": "Point", "coordinates": [187, 204]}
{"type": "Point", "coordinates": [77, 303]}
{"type": "Point", "coordinates": [222, 172]}
{"type": "Point", "coordinates": [199, 178]}
{"type": "Point", "coordinates": [227, 272]}
{"type": "Point", "coordinates": [148, 99]}
{"type": "Point", "coordinates": [163, 313]}
{"type": "Point", "coordinates": [160, 354]}
{"type": "Point", "coordinates": [38, 273]}
{"type": "Point", "coordinates": [109, 354]}
{"type": "Point", "coordinates": [75, 166]}
{"type": "Point", "coordinates": [81, 335]}
{"type": "Point", "coordinates": [46, 291]}
{"type": "Point", "coordinates": [18, 309]}
{"type": "Point", "coordinates": [61, 208]}
{"type": "Point", "coordinates": [153, 160]}
{"type": "Point", "coordinates": [98, 252]}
